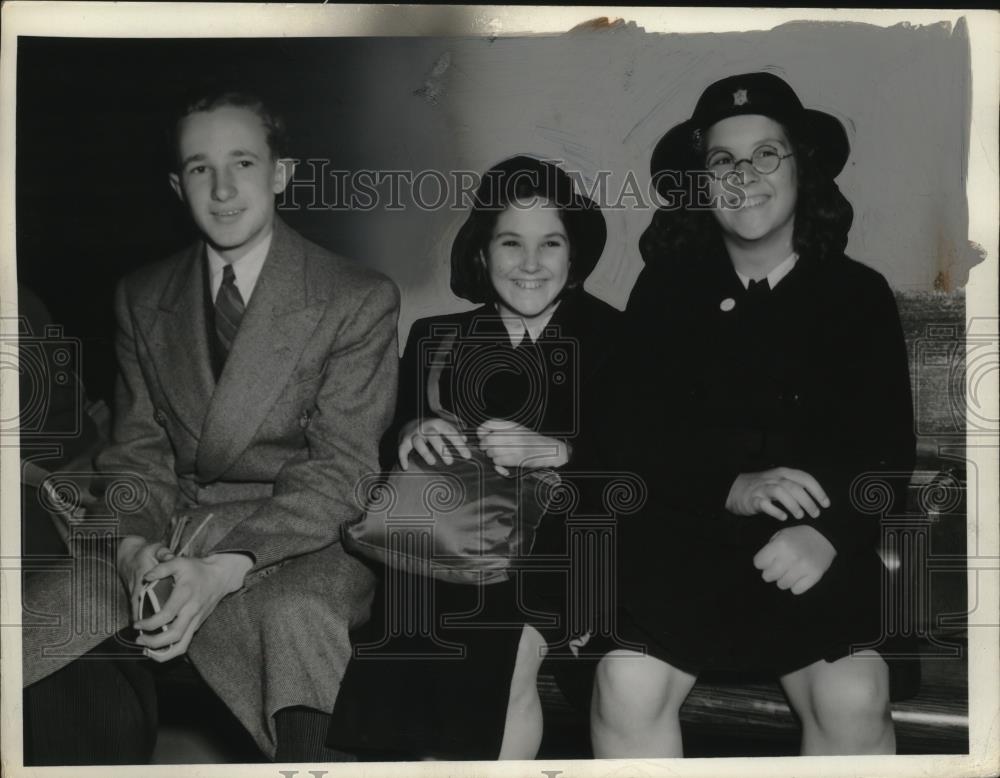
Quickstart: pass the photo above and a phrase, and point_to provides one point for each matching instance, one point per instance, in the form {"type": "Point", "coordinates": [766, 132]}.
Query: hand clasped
{"type": "Point", "coordinates": [776, 491]}
{"type": "Point", "coordinates": [199, 585]}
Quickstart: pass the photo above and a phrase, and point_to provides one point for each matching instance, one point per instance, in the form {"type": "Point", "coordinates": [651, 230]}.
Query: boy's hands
{"type": "Point", "coordinates": [199, 585]}
{"type": "Point", "coordinates": [136, 557]}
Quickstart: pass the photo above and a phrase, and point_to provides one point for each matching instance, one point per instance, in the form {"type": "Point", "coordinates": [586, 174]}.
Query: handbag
{"type": "Point", "coordinates": [461, 523]}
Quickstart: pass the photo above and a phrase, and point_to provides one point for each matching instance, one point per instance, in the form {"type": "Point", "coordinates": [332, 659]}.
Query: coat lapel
{"type": "Point", "coordinates": [275, 329]}
{"type": "Point", "coordinates": [179, 344]}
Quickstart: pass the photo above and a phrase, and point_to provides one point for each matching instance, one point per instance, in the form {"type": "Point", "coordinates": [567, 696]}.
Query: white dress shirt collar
{"type": "Point", "coordinates": [247, 268]}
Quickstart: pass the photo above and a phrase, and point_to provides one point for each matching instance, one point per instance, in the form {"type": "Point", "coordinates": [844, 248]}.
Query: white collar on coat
{"type": "Point", "coordinates": [776, 274]}
{"type": "Point", "coordinates": [516, 327]}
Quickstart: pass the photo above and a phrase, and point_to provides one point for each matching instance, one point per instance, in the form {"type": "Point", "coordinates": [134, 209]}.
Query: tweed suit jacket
{"type": "Point", "coordinates": [272, 451]}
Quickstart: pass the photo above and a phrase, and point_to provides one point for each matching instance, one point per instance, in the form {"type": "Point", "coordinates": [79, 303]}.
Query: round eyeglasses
{"type": "Point", "coordinates": [765, 160]}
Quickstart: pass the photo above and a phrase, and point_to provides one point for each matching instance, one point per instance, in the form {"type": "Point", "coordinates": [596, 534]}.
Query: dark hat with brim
{"type": "Point", "coordinates": [761, 94]}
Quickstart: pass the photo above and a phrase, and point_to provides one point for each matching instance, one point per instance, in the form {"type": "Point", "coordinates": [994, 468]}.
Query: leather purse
{"type": "Point", "coordinates": [462, 523]}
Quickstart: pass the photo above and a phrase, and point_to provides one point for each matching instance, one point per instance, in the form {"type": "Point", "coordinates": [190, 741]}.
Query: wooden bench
{"type": "Point", "coordinates": [729, 716]}
{"type": "Point", "coordinates": [750, 717]}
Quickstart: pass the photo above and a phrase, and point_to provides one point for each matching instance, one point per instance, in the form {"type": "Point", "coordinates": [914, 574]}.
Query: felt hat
{"type": "Point", "coordinates": [762, 94]}
{"type": "Point", "coordinates": [506, 182]}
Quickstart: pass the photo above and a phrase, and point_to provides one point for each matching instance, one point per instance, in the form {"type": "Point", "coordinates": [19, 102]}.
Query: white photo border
{"type": "Point", "coordinates": [181, 20]}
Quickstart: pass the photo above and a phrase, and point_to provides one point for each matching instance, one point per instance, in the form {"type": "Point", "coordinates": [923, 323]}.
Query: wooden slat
{"type": "Point", "coordinates": [935, 721]}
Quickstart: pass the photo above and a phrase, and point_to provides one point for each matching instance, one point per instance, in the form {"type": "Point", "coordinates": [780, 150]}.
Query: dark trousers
{"type": "Point", "coordinates": [99, 709]}
{"type": "Point", "coordinates": [104, 708]}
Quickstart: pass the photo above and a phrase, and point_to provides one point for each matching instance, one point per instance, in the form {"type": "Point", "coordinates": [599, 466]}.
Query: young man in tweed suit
{"type": "Point", "coordinates": [257, 374]}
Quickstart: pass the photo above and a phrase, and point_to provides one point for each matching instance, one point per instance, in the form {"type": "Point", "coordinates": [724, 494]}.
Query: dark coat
{"type": "Point", "coordinates": [710, 384]}
{"type": "Point", "coordinates": [427, 704]}
{"type": "Point", "coordinates": [273, 451]}
{"type": "Point", "coordinates": [490, 380]}
{"type": "Point", "coordinates": [815, 379]}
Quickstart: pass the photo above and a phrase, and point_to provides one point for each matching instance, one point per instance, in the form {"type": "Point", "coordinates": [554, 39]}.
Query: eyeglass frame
{"type": "Point", "coordinates": [737, 162]}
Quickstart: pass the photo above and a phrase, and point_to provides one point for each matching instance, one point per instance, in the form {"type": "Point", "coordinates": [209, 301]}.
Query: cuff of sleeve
{"type": "Point", "coordinates": [841, 523]}
{"type": "Point", "coordinates": [143, 526]}
{"type": "Point", "coordinates": [240, 548]}
{"type": "Point", "coordinates": [709, 491]}
{"type": "Point", "coordinates": [847, 531]}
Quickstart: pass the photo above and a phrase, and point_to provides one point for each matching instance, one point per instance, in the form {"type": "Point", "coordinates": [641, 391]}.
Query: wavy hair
{"type": "Point", "coordinates": [823, 216]}
{"type": "Point", "coordinates": [521, 179]}
{"type": "Point", "coordinates": [213, 95]}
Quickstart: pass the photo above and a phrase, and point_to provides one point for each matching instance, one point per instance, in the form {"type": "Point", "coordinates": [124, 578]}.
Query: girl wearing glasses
{"type": "Point", "coordinates": [775, 406]}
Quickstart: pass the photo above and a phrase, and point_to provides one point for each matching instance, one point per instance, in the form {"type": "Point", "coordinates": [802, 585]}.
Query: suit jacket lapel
{"type": "Point", "coordinates": [178, 342]}
{"type": "Point", "coordinates": [275, 328]}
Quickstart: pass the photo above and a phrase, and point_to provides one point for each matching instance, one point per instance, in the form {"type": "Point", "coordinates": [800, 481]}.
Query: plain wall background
{"type": "Point", "coordinates": [93, 200]}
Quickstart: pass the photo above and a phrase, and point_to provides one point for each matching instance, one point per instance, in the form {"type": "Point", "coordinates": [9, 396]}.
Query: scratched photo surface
{"type": "Point", "coordinates": [388, 133]}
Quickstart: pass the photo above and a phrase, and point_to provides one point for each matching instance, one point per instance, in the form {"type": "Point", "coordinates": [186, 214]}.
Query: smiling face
{"type": "Point", "coordinates": [528, 259]}
{"type": "Point", "coordinates": [763, 219]}
{"type": "Point", "coordinates": [228, 177]}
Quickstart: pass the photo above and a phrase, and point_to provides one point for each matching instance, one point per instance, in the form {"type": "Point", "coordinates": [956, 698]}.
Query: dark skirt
{"type": "Point", "coordinates": [431, 676]}
{"type": "Point", "coordinates": [697, 602]}
{"type": "Point", "coordinates": [431, 671]}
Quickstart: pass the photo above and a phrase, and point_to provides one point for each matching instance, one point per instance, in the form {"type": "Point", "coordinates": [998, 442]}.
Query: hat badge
{"type": "Point", "coordinates": [740, 97]}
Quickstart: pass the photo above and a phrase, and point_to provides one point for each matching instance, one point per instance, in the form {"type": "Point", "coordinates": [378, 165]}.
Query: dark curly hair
{"type": "Point", "coordinates": [823, 216]}
{"type": "Point", "coordinates": [519, 179]}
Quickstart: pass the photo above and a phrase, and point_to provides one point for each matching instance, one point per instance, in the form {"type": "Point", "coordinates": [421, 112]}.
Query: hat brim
{"type": "Point", "coordinates": [589, 232]}
{"type": "Point", "coordinates": [675, 150]}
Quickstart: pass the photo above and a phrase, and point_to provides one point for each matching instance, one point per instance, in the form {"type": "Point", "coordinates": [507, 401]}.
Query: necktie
{"type": "Point", "coordinates": [758, 289]}
{"type": "Point", "coordinates": [229, 309]}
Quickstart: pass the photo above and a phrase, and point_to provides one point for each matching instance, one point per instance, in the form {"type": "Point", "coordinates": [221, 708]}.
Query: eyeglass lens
{"type": "Point", "coordinates": [764, 160]}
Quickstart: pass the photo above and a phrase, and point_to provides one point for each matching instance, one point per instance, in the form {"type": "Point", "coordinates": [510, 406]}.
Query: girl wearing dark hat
{"type": "Point", "coordinates": [768, 374]}
{"type": "Point", "coordinates": [522, 364]}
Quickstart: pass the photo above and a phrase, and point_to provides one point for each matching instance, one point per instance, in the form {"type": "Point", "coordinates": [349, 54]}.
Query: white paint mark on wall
{"type": "Point", "coordinates": [434, 84]}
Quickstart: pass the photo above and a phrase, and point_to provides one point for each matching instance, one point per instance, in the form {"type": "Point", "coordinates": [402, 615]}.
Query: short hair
{"type": "Point", "coordinates": [823, 216]}
{"type": "Point", "coordinates": [209, 97]}
{"type": "Point", "coordinates": [518, 179]}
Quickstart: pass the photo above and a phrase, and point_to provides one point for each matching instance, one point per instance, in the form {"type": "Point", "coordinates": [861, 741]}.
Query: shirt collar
{"type": "Point", "coordinates": [247, 268]}
{"type": "Point", "coordinates": [516, 328]}
{"type": "Point", "coordinates": [776, 274]}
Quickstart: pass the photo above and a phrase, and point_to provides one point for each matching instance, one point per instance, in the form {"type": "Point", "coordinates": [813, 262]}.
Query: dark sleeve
{"type": "Point", "coordinates": [642, 422]}
{"type": "Point", "coordinates": [613, 407]}
{"type": "Point", "coordinates": [411, 398]}
{"type": "Point", "coordinates": [866, 466]}
{"type": "Point", "coordinates": [596, 336]}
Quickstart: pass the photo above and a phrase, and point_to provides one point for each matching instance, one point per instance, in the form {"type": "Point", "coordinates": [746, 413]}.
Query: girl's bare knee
{"type": "Point", "coordinates": [852, 694]}
{"type": "Point", "coordinates": [644, 687]}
